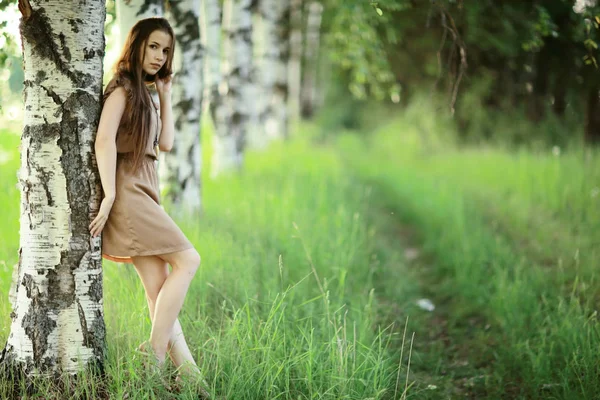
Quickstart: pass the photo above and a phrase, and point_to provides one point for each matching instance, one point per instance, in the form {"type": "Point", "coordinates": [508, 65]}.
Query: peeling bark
{"type": "Point", "coordinates": [57, 319]}
{"type": "Point", "coordinates": [181, 170]}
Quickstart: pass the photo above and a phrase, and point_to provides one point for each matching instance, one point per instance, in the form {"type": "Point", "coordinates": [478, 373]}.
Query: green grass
{"type": "Point", "coordinates": [304, 292]}
{"type": "Point", "coordinates": [283, 306]}
{"type": "Point", "coordinates": [513, 242]}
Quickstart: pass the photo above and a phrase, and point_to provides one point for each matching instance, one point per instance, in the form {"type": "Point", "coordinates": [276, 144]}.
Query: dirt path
{"type": "Point", "coordinates": [451, 350]}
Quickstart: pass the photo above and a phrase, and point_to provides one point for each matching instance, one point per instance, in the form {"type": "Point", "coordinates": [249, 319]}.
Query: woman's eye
{"type": "Point", "coordinates": [166, 51]}
{"type": "Point", "coordinates": [152, 46]}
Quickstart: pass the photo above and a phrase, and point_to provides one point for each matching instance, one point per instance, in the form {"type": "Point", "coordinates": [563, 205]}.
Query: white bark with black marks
{"type": "Point", "coordinates": [57, 319]}
{"type": "Point", "coordinates": [278, 126]}
{"type": "Point", "coordinates": [210, 36]}
{"type": "Point", "coordinates": [309, 94]}
{"type": "Point", "coordinates": [234, 112]}
{"type": "Point", "coordinates": [181, 169]}
{"type": "Point", "coordinates": [255, 132]}
{"type": "Point", "coordinates": [272, 66]}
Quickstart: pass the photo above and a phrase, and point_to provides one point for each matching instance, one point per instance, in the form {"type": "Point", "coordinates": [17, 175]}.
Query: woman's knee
{"type": "Point", "coordinates": [194, 260]}
{"type": "Point", "coordinates": [189, 260]}
{"type": "Point", "coordinates": [194, 257]}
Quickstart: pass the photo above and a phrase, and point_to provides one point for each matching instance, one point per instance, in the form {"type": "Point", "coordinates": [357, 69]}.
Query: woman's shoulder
{"type": "Point", "coordinates": [118, 81]}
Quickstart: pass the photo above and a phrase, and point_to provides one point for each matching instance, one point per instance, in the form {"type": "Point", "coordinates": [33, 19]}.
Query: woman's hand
{"type": "Point", "coordinates": [98, 223]}
{"type": "Point", "coordinates": [163, 86]}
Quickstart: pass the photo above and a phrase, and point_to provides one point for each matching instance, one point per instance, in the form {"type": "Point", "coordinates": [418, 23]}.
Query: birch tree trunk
{"type": "Point", "coordinates": [210, 23]}
{"type": "Point", "coordinates": [279, 128]}
{"type": "Point", "coordinates": [273, 60]}
{"type": "Point", "coordinates": [130, 11]}
{"type": "Point", "coordinates": [263, 23]}
{"type": "Point", "coordinates": [57, 319]}
{"type": "Point", "coordinates": [181, 169]}
{"type": "Point", "coordinates": [233, 114]}
{"type": "Point", "coordinates": [295, 61]}
{"type": "Point", "coordinates": [255, 132]}
{"type": "Point", "coordinates": [308, 94]}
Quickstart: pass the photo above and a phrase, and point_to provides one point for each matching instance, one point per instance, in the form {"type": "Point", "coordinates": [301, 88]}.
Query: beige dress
{"type": "Point", "coordinates": [137, 225]}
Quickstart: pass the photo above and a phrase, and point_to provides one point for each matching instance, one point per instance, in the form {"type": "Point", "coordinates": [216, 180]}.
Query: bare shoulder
{"type": "Point", "coordinates": [112, 112]}
{"type": "Point", "coordinates": [117, 98]}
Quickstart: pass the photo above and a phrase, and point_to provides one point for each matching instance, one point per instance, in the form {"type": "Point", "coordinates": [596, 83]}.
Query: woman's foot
{"type": "Point", "coordinates": [190, 374]}
{"type": "Point", "coordinates": [147, 354]}
{"type": "Point", "coordinates": [151, 363]}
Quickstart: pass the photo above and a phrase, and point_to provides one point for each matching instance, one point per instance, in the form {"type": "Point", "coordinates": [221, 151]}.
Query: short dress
{"type": "Point", "coordinates": [137, 225]}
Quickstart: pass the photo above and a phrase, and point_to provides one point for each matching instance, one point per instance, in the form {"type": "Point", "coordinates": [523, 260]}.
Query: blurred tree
{"type": "Point", "coordinates": [357, 33]}
{"type": "Point", "coordinates": [233, 114]}
{"type": "Point", "coordinates": [539, 56]}
{"type": "Point", "coordinates": [210, 26]}
{"type": "Point", "coordinates": [130, 11]}
{"type": "Point", "coordinates": [294, 78]}
{"type": "Point", "coordinates": [57, 319]}
{"type": "Point", "coordinates": [308, 94]}
{"type": "Point", "coordinates": [181, 169]}
{"type": "Point", "coordinates": [273, 52]}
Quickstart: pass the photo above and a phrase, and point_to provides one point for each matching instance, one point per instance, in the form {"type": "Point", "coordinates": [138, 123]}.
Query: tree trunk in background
{"type": "Point", "coordinates": [273, 59]}
{"type": "Point", "coordinates": [280, 99]}
{"type": "Point", "coordinates": [311, 59]}
{"type": "Point", "coordinates": [181, 169]}
{"type": "Point", "coordinates": [57, 319]}
{"type": "Point", "coordinates": [592, 125]}
{"type": "Point", "coordinates": [210, 23]}
{"type": "Point", "coordinates": [233, 114]}
{"type": "Point", "coordinates": [255, 132]}
{"type": "Point", "coordinates": [263, 23]}
{"type": "Point", "coordinates": [130, 11]}
{"type": "Point", "coordinates": [559, 92]}
{"type": "Point", "coordinates": [295, 62]}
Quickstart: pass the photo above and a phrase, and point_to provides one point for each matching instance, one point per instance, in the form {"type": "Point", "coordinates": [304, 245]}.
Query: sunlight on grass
{"type": "Point", "coordinates": [514, 238]}
{"type": "Point", "coordinates": [283, 305]}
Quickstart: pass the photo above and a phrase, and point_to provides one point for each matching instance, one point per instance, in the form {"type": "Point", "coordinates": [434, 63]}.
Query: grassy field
{"type": "Point", "coordinates": [315, 257]}
{"type": "Point", "coordinates": [284, 305]}
{"type": "Point", "coordinates": [512, 241]}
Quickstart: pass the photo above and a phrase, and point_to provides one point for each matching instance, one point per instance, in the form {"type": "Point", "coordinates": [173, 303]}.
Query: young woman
{"type": "Point", "coordinates": [134, 227]}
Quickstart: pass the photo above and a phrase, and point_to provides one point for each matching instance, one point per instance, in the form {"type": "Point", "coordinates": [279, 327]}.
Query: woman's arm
{"type": "Point", "coordinates": [106, 155]}
{"type": "Point", "coordinates": [106, 146]}
{"type": "Point", "coordinates": [167, 133]}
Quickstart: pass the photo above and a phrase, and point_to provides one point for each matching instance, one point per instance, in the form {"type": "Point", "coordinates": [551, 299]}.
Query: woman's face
{"type": "Point", "coordinates": [156, 52]}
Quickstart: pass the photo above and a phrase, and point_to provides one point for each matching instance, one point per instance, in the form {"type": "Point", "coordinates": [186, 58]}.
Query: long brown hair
{"type": "Point", "coordinates": [129, 67]}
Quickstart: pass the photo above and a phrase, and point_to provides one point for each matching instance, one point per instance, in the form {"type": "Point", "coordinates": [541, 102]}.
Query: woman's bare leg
{"type": "Point", "coordinates": [171, 297]}
{"type": "Point", "coordinates": [153, 271]}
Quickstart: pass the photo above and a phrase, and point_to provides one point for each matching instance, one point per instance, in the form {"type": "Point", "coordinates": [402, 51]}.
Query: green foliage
{"type": "Point", "coordinates": [358, 33]}
{"type": "Point", "coordinates": [8, 47]}
{"type": "Point", "coordinates": [591, 27]}
{"type": "Point", "coordinates": [544, 26]}
{"type": "Point", "coordinates": [537, 59]}
{"type": "Point", "coordinates": [512, 241]}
